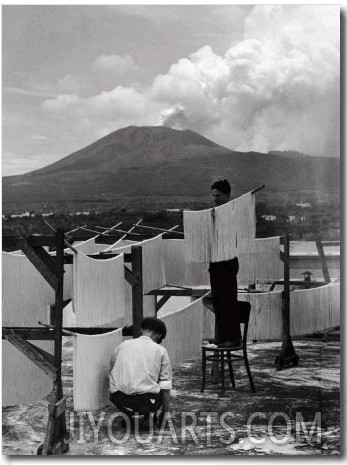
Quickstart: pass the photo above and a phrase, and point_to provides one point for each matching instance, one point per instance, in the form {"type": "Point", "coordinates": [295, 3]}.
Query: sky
{"type": "Point", "coordinates": [261, 77]}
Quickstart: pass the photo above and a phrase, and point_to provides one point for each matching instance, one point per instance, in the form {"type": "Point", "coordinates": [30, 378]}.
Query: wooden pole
{"type": "Point", "coordinates": [137, 289]}
{"type": "Point", "coordinates": [323, 261]}
{"type": "Point", "coordinates": [287, 355]}
{"type": "Point", "coordinates": [56, 431]}
{"type": "Point", "coordinates": [160, 229]}
{"type": "Point", "coordinates": [254, 191]}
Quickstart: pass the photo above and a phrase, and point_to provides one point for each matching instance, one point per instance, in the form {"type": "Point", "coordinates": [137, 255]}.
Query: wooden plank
{"type": "Point", "coordinates": [59, 424]}
{"type": "Point", "coordinates": [48, 357]}
{"type": "Point", "coordinates": [207, 301]}
{"type": "Point", "coordinates": [60, 407]}
{"type": "Point", "coordinates": [287, 354]}
{"type": "Point", "coordinates": [137, 290]}
{"type": "Point", "coordinates": [130, 278]}
{"type": "Point", "coordinates": [32, 334]}
{"type": "Point", "coordinates": [171, 292]}
{"type": "Point", "coordinates": [161, 302]}
{"type": "Point", "coordinates": [254, 191]}
{"type": "Point", "coordinates": [31, 240]}
{"type": "Point", "coordinates": [32, 352]}
{"type": "Point", "coordinates": [46, 258]}
{"type": "Point", "coordinates": [160, 229]}
{"type": "Point", "coordinates": [42, 266]}
{"type": "Point", "coordinates": [323, 261]}
{"type": "Point", "coordinates": [58, 308]}
{"type": "Point", "coordinates": [286, 293]}
{"type": "Point", "coordinates": [65, 303]}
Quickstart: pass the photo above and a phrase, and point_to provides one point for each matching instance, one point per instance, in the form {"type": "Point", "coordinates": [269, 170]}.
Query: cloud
{"type": "Point", "coordinates": [28, 92]}
{"type": "Point", "coordinates": [276, 89]}
{"type": "Point", "coordinates": [116, 64]}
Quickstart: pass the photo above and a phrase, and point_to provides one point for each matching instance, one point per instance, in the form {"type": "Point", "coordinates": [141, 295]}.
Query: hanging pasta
{"type": "Point", "coordinates": [99, 298]}
{"type": "Point", "coordinates": [265, 322]}
{"type": "Point", "coordinates": [178, 270]}
{"type": "Point", "coordinates": [262, 261]}
{"type": "Point", "coordinates": [314, 310]}
{"type": "Point", "coordinates": [222, 235]}
{"type": "Point", "coordinates": [26, 295]}
{"type": "Point", "coordinates": [184, 332]}
{"type": "Point", "coordinates": [198, 233]}
{"type": "Point", "coordinates": [233, 228]}
{"type": "Point", "coordinates": [23, 382]}
{"type": "Point", "coordinates": [91, 360]}
{"type": "Point", "coordinates": [153, 263]}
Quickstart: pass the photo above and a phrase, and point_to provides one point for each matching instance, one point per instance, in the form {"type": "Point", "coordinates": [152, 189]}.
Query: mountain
{"type": "Point", "coordinates": [166, 162]}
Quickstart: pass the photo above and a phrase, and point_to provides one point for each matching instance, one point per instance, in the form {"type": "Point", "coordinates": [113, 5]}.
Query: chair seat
{"type": "Point", "coordinates": [221, 349]}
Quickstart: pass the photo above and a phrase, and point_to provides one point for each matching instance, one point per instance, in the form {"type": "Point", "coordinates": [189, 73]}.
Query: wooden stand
{"type": "Point", "coordinates": [52, 269]}
{"type": "Point", "coordinates": [287, 356]}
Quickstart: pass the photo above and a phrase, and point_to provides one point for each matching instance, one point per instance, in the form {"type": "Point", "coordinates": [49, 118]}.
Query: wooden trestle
{"type": "Point", "coordinates": [52, 269]}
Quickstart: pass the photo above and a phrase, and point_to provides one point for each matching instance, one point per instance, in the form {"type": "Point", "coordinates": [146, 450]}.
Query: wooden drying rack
{"type": "Point", "coordinates": [52, 269]}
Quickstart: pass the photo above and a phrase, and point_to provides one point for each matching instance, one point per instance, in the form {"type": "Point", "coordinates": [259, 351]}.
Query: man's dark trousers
{"type": "Point", "coordinates": [224, 297]}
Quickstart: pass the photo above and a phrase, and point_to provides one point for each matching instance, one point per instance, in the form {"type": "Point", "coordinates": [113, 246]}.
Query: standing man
{"type": "Point", "coordinates": [140, 373]}
{"type": "Point", "coordinates": [224, 284]}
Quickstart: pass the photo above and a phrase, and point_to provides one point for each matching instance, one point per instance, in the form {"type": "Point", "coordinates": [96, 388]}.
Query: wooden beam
{"type": "Point", "coordinates": [32, 352]}
{"type": "Point", "coordinates": [46, 258]}
{"type": "Point", "coordinates": [171, 292]}
{"type": "Point", "coordinates": [330, 243]}
{"type": "Point", "coordinates": [59, 407]}
{"type": "Point", "coordinates": [65, 303]}
{"type": "Point", "coordinates": [31, 240]}
{"type": "Point", "coordinates": [137, 289]}
{"type": "Point", "coordinates": [323, 261]}
{"type": "Point", "coordinates": [32, 334]}
{"type": "Point", "coordinates": [160, 229]}
{"type": "Point", "coordinates": [207, 301]}
{"type": "Point", "coordinates": [42, 265]}
{"type": "Point", "coordinates": [130, 278]}
{"type": "Point", "coordinates": [287, 356]}
{"type": "Point", "coordinates": [254, 191]}
{"type": "Point", "coordinates": [161, 302]}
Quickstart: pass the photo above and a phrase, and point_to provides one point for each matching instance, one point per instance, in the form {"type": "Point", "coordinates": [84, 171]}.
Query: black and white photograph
{"type": "Point", "coordinates": [171, 230]}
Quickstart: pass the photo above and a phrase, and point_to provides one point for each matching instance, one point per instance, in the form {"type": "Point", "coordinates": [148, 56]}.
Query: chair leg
{"type": "Point", "coordinates": [222, 371]}
{"type": "Point", "coordinates": [231, 371]}
{"type": "Point", "coordinates": [203, 370]}
{"type": "Point", "coordinates": [249, 372]}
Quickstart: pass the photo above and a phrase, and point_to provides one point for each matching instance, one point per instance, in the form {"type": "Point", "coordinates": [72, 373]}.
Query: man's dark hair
{"type": "Point", "coordinates": [222, 185]}
{"type": "Point", "coordinates": [154, 324]}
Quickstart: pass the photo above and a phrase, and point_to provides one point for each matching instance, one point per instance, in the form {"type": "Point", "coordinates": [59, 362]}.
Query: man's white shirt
{"type": "Point", "coordinates": [140, 366]}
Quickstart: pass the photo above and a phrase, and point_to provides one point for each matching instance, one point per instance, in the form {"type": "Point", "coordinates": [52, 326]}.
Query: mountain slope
{"type": "Point", "coordinates": [163, 161]}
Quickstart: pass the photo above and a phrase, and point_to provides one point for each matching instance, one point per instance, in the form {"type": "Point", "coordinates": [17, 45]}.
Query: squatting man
{"type": "Point", "coordinates": [141, 375]}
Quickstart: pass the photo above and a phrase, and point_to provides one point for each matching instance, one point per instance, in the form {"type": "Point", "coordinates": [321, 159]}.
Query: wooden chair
{"type": "Point", "coordinates": [227, 355]}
